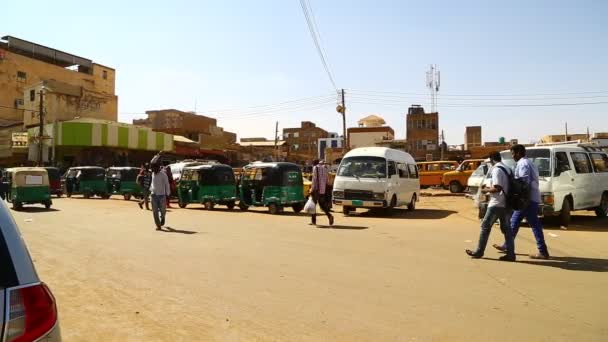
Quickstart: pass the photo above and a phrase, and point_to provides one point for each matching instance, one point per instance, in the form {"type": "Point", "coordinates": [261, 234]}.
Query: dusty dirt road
{"type": "Point", "coordinates": [234, 276]}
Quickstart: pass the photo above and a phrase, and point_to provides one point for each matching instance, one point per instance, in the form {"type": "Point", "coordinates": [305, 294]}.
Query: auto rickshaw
{"type": "Point", "coordinates": [123, 181]}
{"type": "Point", "coordinates": [86, 180]}
{"type": "Point", "coordinates": [29, 185]}
{"type": "Point", "coordinates": [209, 184]}
{"type": "Point", "coordinates": [272, 185]}
{"type": "Point", "coordinates": [54, 181]}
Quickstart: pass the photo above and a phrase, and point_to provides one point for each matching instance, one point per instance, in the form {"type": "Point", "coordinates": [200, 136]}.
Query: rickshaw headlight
{"type": "Point", "coordinates": [338, 194]}
{"type": "Point", "coordinates": [548, 198]}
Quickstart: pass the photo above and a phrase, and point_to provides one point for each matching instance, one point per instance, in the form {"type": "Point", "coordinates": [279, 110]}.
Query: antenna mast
{"type": "Point", "coordinates": [433, 82]}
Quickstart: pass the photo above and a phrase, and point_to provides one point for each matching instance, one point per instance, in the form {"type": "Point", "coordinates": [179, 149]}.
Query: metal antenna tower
{"type": "Point", "coordinates": [433, 82]}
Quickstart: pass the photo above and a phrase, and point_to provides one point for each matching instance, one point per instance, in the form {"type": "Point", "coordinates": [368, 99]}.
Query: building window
{"type": "Point", "coordinates": [296, 135]}
{"type": "Point", "coordinates": [32, 95]}
{"type": "Point", "coordinates": [296, 147]}
{"type": "Point", "coordinates": [18, 103]}
{"type": "Point", "coordinates": [21, 76]}
{"type": "Point", "coordinates": [286, 136]}
{"type": "Point", "coordinates": [104, 74]}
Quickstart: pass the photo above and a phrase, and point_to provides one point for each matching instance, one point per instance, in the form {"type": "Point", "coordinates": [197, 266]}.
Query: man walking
{"type": "Point", "coordinates": [144, 179]}
{"type": "Point", "coordinates": [497, 210]}
{"type": "Point", "coordinates": [159, 190]}
{"type": "Point", "coordinates": [318, 190]}
{"type": "Point", "coordinates": [528, 172]}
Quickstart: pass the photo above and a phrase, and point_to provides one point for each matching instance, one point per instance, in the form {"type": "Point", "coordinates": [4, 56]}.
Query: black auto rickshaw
{"type": "Point", "coordinates": [272, 185]}
{"type": "Point", "coordinates": [123, 181]}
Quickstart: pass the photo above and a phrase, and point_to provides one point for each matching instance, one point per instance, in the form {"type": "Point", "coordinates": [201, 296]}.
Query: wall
{"type": "Point", "coordinates": [368, 136]}
{"type": "Point", "coordinates": [68, 102]}
{"type": "Point", "coordinates": [36, 71]}
{"type": "Point", "coordinates": [472, 137]}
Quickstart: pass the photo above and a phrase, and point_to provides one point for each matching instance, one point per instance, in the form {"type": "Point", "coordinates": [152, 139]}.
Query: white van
{"type": "Point", "coordinates": [376, 177]}
{"type": "Point", "coordinates": [573, 176]}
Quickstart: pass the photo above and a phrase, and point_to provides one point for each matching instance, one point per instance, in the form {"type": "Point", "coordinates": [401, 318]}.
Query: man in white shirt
{"type": "Point", "coordinates": [497, 210]}
{"type": "Point", "coordinates": [159, 190]}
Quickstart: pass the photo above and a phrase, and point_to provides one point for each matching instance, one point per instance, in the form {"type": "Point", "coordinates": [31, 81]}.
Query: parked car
{"type": "Point", "coordinates": [376, 177]}
{"type": "Point", "coordinates": [431, 173]}
{"type": "Point", "coordinates": [29, 310]}
{"type": "Point", "coordinates": [572, 176]}
{"type": "Point", "coordinates": [457, 180]}
{"type": "Point", "coordinates": [477, 177]}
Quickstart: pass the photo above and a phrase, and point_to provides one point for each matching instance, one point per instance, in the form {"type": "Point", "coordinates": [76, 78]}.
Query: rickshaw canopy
{"type": "Point", "coordinates": [29, 177]}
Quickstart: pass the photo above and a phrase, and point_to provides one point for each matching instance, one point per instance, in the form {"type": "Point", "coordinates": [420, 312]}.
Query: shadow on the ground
{"type": "Point", "coordinates": [179, 231]}
{"type": "Point", "coordinates": [572, 263]}
{"type": "Point", "coordinates": [579, 223]}
{"type": "Point", "coordinates": [398, 213]}
{"type": "Point", "coordinates": [35, 210]}
{"type": "Point", "coordinates": [339, 226]}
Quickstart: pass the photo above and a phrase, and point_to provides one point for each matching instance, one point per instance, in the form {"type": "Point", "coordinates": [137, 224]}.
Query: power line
{"type": "Point", "coordinates": [407, 98]}
{"type": "Point", "coordinates": [490, 105]}
{"type": "Point", "coordinates": [315, 34]}
{"type": "Point", "coordinates": [480, 95]}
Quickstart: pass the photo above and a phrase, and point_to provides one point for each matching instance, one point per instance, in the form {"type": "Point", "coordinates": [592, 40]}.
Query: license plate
{"type": "Point", "coordinates": [360, 203]}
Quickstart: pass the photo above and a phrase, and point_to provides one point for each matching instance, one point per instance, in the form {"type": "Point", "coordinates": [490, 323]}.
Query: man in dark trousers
{"type": "Point", "coordinates": [318, 190]}
{"type": "Point", "coordinates": [160, 190]}
{"type": "Point", "coordinates": [144, 179]}
{"type": "Point", "coordinates": [528, 172]}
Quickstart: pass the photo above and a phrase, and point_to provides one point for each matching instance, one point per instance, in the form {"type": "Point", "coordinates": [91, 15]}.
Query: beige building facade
{"type": "Point", "coordinates": [24, 64]}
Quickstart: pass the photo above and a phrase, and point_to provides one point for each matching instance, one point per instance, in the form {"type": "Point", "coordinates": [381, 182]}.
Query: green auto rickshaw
{"type": "Point", "coordinates": [29, 185]}
{"type": "Point", "coordinates": [123, 181]}
{"type": "Point", "coordinates": [272, 185]}
{"type": "Point", "coordinates": [209, 184]}
{"type": "Point", "coordinates": [86, 180]}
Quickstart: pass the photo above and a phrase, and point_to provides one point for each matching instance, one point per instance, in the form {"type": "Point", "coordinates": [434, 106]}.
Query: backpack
{"type": "Point", "coordinates": [518, 197]}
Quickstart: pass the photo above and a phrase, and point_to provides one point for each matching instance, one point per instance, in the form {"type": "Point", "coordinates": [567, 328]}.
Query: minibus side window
{"type": "Point", "coordinates": [600, 162]}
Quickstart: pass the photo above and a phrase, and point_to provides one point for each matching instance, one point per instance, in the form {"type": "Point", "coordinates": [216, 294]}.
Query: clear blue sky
{"type": "Point", "coordinates": [237, 54]}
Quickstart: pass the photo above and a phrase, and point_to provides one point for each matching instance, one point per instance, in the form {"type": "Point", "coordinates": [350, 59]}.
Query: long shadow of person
{"type": "Point", "coordinates": [171, 230]}
{"type": "Point", "coordinates": [572, 263]}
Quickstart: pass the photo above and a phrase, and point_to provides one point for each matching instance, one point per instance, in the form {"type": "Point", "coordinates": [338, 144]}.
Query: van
{"type": "Point", "coordinates": [376, 177]}
{"type": "Point", "coordinates": [457, 180]}
{"type": "Point", "coordinates": [431, 173]}
{"type": "Point", "coordinates": [573, 176]}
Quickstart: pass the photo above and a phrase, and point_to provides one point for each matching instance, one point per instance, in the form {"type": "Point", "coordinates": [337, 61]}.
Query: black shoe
{"type": "Point", "coordinates": [507, 258]}
{"type": "Point", "coordinates": [331, 220]}
{"type": "Point", "coordinates": [141, 206]}
{"type": "Point", "coordinates": [500, 248]}
{"type": "Point", "coordinates": [474, 255]}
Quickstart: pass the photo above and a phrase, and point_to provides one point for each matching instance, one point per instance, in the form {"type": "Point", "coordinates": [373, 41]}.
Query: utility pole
{"type": "Point", "coordinates": [343, 112]}
{"type": "Point", "coordinates": [566, 136]}
{"type": "Point", "coordinates": [276, 141]}
{"type": "Point", "coordinates": [442, 143]}
{"type": "Point", "coordinates": [41, 129]}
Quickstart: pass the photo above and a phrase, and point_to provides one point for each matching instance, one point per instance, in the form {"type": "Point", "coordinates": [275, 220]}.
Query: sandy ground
{"type": "Point", "coordinates": [249, 276]}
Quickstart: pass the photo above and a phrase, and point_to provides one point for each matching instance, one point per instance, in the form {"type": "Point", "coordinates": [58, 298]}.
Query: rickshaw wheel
{"type": "Point", "coordinates": [68, 195]}
{"type": "Point", "coordinates": [105, 196]}
{"type": "Point", "coordinates": [274, 208]}
{"type": "Point", "coordinates": [230, 205]}
{"type": "Point", "coordinates": [59, 194]}
{"type": "Point", "coordinates": [243, 206]}
{"type": "Point", "coordinates": [86, 195]}
{"type": "Point", "coordinates": [208, 205]}
{"type": "Point", "coordinates": [47, 205]}
{"type": "Point", "coordinates": [297, 207]}
{"type": "Point", "coordinates": [182, 204]}
{"type": "Point", "coordinates": [17, 205]}
{"type": "Point", "coordinates": [127, 197]}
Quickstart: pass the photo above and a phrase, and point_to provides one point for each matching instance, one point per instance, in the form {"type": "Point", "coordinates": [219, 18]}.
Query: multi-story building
{"type": "Point", "coordinates": [195, 127]}
{"type": "Point", "coordinates": [472, 137]}
{"type": "Point", "coordinates": [370, 132]}
{"type": "Point", "coordinates": [25, 64]}
{"type": "Point", "coordinates": [562, 137]}
{"type": "Point", "coordinates": [303, 140]}
{"type": "Point", "coordinates": [422, 133]}
{"type": "Point", "coordinates": [333, 141]}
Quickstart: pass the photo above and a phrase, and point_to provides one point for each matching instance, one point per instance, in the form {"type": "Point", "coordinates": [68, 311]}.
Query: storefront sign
{"type": "Point", "coordinates": [19, 140]}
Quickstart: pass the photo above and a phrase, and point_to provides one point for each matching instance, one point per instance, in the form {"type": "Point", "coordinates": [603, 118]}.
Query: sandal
{"type": "Point", "coordinates": [500, 248]}
{"type": "Point", "coordinates": [472, 254]}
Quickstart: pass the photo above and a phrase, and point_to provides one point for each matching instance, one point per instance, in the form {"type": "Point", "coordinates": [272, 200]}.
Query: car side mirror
{"type": "Point", "coordinates": [485, 169]}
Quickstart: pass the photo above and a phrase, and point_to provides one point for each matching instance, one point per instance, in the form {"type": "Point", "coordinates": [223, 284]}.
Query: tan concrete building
{"type": "Point", "coordinates": [369, 136]}
{"type": "Point", "coordinates": [195, 127]}
{"type": "Point", "coordinates": [472, 137]}
{"type": "Point", "coordinates": [303, 140]}
{"type": "Point", "coordinates": [562, 137]}
{"type": "Point", "coordinates": [24, 64]}
{"type": "Point", "coordinates": [63, 101]}
{"type": "Point", "coordinates": [422, 133]}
